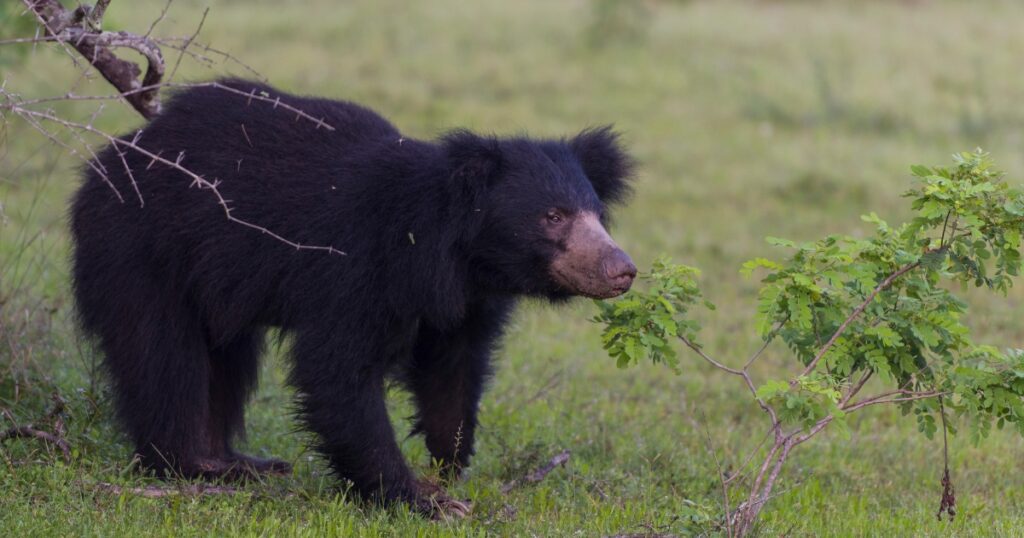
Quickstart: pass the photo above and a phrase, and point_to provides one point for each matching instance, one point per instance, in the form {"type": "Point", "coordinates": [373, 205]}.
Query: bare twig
{"type": "Point", "coordinates": [29, 40]}
{"type": "Point", "coordinates": [188, 43]}
{"type": "Point", "coordinates": [249, 96]}
{"type": "Point", "coordinates": [178, 43]}
{"type": "Point", "coordinates": [855, 388]}
{"type": "Point", "coordinates": [743, 374]}
{"type": "Point", "coordinates": [93, 163]}
{"type": "Point", "coordinates": [874, 400]}
{"type": "Point", "coordinates": [767, 341]}
{"type": "Point", "coordinates": [197, 180]}
{"type": "Point", "coordinates": [882, 399]}
{"type": "Point", "coordinates": [762, 472]}
{"type": "Point", "coordinates": [699, 351]}
{"type": "Point", "coordinates": [551, 383]}
{"type": "Point", "coordinates": [741, 470]}
{"type": "Point", "coordinates": [159, 19]}
{"type": "Point", "coordinates": [28, 431]}
{"type": "Point", "coordinates": [538, 474]}
{"type": "Point", "coordinates": [722, 478]}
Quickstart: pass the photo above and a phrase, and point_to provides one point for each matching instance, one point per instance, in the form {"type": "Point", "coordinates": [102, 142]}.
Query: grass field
{"type": "Point", "coordinates": [784, 118]}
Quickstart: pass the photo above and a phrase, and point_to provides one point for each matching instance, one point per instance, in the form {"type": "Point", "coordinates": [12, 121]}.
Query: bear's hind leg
{"type": "Point", "coordinates": [159, 364]}
{"type": "Point", "coordinates": [234, 369]}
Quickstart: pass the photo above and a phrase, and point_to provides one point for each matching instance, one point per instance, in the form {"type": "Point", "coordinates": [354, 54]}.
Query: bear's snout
{"type": "Point", "coordinates": [592, 264]}
{"type": "Point", "coordinates": [620, 271]}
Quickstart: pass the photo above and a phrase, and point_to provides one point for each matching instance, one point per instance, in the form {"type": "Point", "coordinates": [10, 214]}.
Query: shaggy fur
{"type": "Point", "coordinates": [440, 238]}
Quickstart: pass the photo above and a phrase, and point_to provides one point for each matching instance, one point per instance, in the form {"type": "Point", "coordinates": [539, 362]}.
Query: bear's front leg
{"type": "Point", "coordinates": [447, 398]}
{"type": "Point", "coordinates": [447, 377]}
{"type": "Point", "coordinates": [341, 398]}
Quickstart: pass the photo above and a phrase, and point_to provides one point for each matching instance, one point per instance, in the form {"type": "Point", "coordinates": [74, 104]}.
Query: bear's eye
{"type": "Point", "coordinates": [555, 217]}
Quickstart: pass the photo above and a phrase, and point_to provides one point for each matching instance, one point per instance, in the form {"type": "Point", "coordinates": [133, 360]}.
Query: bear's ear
{"type": "Point", "coordinates": [473, 160]}
{"type": "Point", "coordinates": [605, 163]}
{"type": "Point", "coordinates": [473, 164]}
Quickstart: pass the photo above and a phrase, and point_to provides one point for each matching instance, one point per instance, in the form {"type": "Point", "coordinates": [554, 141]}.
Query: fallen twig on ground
{"type": "Point", "coordinates": [28, 431]}
{"type": "Point", "coordinates": [539, 474]}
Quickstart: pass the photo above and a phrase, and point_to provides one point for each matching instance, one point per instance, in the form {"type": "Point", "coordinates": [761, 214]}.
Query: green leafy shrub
{"type": "Point", "coordinates": [850, 309]}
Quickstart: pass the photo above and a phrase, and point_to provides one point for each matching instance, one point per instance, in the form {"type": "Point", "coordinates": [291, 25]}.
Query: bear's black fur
{"type": "Point", "coordinates": [439, 239]}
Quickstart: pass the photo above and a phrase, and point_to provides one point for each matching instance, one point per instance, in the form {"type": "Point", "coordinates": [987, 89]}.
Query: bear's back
{"type": "Point", "coordinates": [248, 138]}
{"type": "Point", "coordinates": [236, 110]}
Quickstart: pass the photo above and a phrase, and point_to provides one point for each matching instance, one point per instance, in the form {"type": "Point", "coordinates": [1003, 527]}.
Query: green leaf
{"type": "Point", "coordinates": [926, 335]}
{"type": "Point", "coordinates": [750, 266]}
{"type": "Point", "coordinates": [934, 259]}
{"type": "Point", "coordinates": [766, 308]}
{"type": "Point", "coordinates": [931, 209]}
{"type": "Point", "coordinates": [920, 171]}
{"type": "Point", "coordinates": [886, 335]}
{"type": "Point", "coordinates": [800, 310]}
{"type": "Point", "coordinates": [771, 388]}
{"type": "Point", "coordinates": [779, 242]}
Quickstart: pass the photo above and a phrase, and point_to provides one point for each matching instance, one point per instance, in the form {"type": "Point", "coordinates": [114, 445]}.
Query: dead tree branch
{"type": "Point", "coordinates": [80, 29]}
{"type": "Point", "coordinates": [28, 431]}
{"type": "Point", "coordinates": [538, 474]}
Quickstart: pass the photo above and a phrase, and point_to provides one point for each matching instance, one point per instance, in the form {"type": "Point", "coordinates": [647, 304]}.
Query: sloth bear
{"type": "Point", "coordinates": [433, 242]}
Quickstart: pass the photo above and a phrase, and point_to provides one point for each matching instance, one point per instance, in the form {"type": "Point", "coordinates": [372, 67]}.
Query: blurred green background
{"type": "Point", "coordinates": [783, 118]}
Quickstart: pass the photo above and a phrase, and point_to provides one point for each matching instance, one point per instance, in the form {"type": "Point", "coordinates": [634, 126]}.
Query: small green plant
{"type": "Point", "coordinates": [851, 309]}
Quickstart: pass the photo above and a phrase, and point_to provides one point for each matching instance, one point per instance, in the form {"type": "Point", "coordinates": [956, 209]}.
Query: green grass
{"type": "Point", "coordinates": [749, 119]}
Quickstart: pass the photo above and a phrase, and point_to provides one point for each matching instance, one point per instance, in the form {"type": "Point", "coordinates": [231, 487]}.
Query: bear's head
{"type": "Point", "coordinates": [540, 212]}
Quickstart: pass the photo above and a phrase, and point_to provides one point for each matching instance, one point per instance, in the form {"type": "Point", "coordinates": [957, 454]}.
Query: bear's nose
{"type": "Point", "coordinates": [619, 269]}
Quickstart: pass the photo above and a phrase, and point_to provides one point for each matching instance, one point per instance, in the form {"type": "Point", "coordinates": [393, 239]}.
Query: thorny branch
{"type": "Point", "coordinates": [81, 30]}
{"type": "Point", "coordinates": [197, 180]}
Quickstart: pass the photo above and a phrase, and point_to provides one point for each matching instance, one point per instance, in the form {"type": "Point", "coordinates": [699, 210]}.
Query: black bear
{"type": "Point", "coordinates": [438, 238]}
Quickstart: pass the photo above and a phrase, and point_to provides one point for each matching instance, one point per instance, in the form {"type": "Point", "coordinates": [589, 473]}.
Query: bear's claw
{"type": "Point", "coordinates": [449, 509]}
{"type": "Point", "coordinates": [436, 502]}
